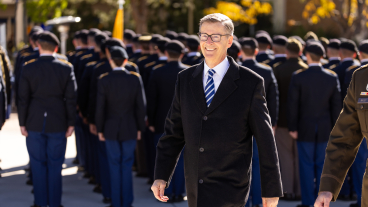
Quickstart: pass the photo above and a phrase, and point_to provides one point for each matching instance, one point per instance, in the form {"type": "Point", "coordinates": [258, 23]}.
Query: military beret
{"type": "Point", "coordinates": [108, 33]}
{"type": "Point", "coordinates": [363, 47]}
{"type": "Point", "coordinates": [299, 39]}
{"type": "Point", "coordinates": [155, 38]}
{"type": "Point", "coordinates": [334, 43]}
{"type": "Point", "coordinates": [136, 38]}
{"type": "Point", "coordinates": [129, 34]}
{"type": "Point", "coordinates": [280, 40]}
{"type": "Point", "coordinates": [35, 35]}
{"type": "Point", "coordinates": [310, 35]}
{"type": "Point", "coordinates": [349, 45]}
{"type": "Point", "coordinates": [114, 42]}
{"type": "Point", "coordinates": [294, 45]}
{"type": "Point", "coordinates": [249, 42]}
{"type": "Point", "coordinates": [236, 47]}
{"type": "Point", "coordinates": [83, 34]}
{"type": "Point", "coordinates": [171, 35]}
{"type": "Point", "coordinates": [101, 38]}
{"type": "Point", "coordinates": [76, 35]}
{"type": "Point", "coordinates": [182, 36]}
{"type": "Point", "coordinates": [118, 52]}
{"type": "Point", "coordinates": [262, 31]}
{"type": "Point", "coordinates": [49, 37]}
{"type": "Point", "coordinates": [35, 29]}
{"type": "Point", "coordinates": [264, 38]}
{"type": "Point", "coordinates": [93, 32]}
{"type": "Point", "coordinates": [145, 38]}
{"type": "Point", "coordinates": [175, 46]}
{"type": "Point", "coordinates": [315, 48]}
{"type": "Point", "coordinates": [162, 42]}
{"type": "Point", "coordinates": [193, 40]}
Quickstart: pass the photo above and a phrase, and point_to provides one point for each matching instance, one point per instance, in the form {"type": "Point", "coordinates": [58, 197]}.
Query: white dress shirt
{"type": "Point", "coordinates": [191, 54]}
{"type": "Point", "coordinates": [220, 69]}
{"type": "Point", "coordinates": [119, 68]}
{"type": "Point", "coordinates": [334, 58]}
{"type": "Point", "coordinates": [347, 59]}
{"type": "Point", "coordinates": [315, 64]}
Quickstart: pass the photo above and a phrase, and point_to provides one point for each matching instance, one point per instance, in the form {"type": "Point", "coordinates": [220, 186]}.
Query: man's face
{"type": "Point", "coordinates": [215, 51]}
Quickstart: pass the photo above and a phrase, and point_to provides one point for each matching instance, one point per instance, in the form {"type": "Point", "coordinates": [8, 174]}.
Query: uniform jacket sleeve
{"type": "Point", "coordinates": [260, 125]}
{"type": "Point", "coordinates": [152, 99]}
{"type": "Point", "coordinates": [70, 96]}
{"type": "Point", "coordinates": [293, 104]}
{"type": "Point", "coordinates": [343, 145]}
{"type": "Point", "coordinates": [101, 104]}
{"type": "Point", "coordinates": [24, 98]}
{"type": "Point", "coordinates": [272, 96]}
{"type": "Point", "coordinates": [140, 106]}
{"type": "Point", "coordinates": [336, 103]}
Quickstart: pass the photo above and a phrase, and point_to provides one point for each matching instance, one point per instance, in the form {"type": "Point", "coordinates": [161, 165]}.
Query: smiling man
{"type": "Point", "coordinates": [218, 106]}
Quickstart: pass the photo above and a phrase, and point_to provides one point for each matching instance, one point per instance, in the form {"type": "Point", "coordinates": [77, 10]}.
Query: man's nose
{"type": "Point", "coordinates": [209, 40]}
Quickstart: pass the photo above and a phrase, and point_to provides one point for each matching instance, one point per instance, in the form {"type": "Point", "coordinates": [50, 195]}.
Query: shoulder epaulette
{"type": "Point", "coordinates": [362, 67]}
{"type": "Point", "coordinates": [79, 53]}
{"type": "Point", "coordinates": [91, 63]}
{"type": "Point", "coordinates": [299, 71]}
{"type": "Point", "coordinates": [276, 64]}
{"type": "Point", "coordinates": [71, 53]}
{"type": "Point", "coordinates": [31, 61]}
{"type": "Point", "coordinates": [158, 66]}
{"type": "Point", "coordinates": [65, 61]}
{"type": "Point", "coordinates": [98, 65]}
{"type": "Point", "coordinates": [142, 58]}
{"type": "Point", "coordinates": [331, 71]}
{"type": "Point", "coordinates": [103, 75]}
{"type": "Point", "coordinates": [133, 64]}
{"type": "Point", "coordinates": [26, 54]}
{"type": "Point", "coordinates": [150, 64]}
{"type": "Point", "coordinates": [266, 61]}
{"type": "Point", "coordinates": [333, 66]}
{"type": "Point", "coordinates": [264, 64]}
{"type": "Point", "coordinates": [196, 57]}
{"type": "Point", "coordinates": [61, 55]}
{"type": "Point", "coordinates": [135, 73]}
{"type": "Point", "coordinates": [352, 67]}
{"type": "Point", "coordinates": [86, 56]}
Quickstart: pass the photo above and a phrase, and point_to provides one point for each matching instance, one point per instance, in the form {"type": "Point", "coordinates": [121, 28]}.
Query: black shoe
{"type": "Point", "coordinates": [106, 200]}
{"type": "Point", "coordinates": [354, 205]}
{"type": "Point", "coordinates": [32, 191]}
{"type": "Point", "coordinates": [86, 175]}
{"type": "Point", "coordinates": [80, 169]}
{"type": "Point", "coordinates": [75, 161]}
{"type": "Point", "coordinates": [172, 199]}
{"type": "Point", "coordinates": [256, 206]}
{"type": "Point", "coordinates": [29, 182]}
{"type": "Point", "coordinates": [97, 189]}
{"type": "Point", "coordinates": [35, 205]}
{"type": "Point", "coordinates": [150, 182]}
{"type": "Point", "coordinates": [92, 181]}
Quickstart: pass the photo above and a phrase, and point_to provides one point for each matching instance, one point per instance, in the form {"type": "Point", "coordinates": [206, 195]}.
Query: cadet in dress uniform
{"type": "Point", "coordinates": [324, 41]}
{"type": "Point", "coordinates": [234, 51]}
{"type": "Point", "coordinates": [264, 43]}
{"type": "Point", "coordinates": [182, 37]}
{"type": "Point", "coordinates": [333, 54]}
{"type": "Point", "coordinates": [310, 120]}
{"type": "Point", "coordinates": [137, 51]}
{"type": "Point", "coordinates": [249, 52]}
{"type": "Point", "coordinates": [363, 52]}
{"type": "Point", "coordinates": [302, 56]}
{"type": "Point", "coordinates": [120, 119]}
{"type": "Point", "coordinates": [5, 87]}
{"type": "Point", "coordinates": [159, 97]}
{"type": "Point", "coordinates": [46, 113]}
{"type": "Point", "coordinates": [162, 58]}
{"type": "Point", "coordinates": [171, 35]}
{"type": "Point", "coordinates": [151, 59]}
{"type": "Point", "coordinates": [286, 145]}
{"type": "Point", "coordinates": [279, 48]}
{"type": "Point", "coordinates": [193, 57]}
{"type": "Point", "coordinates": [128, 41]}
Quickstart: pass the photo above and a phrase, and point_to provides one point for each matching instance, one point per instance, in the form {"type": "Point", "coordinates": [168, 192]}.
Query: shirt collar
{"type": "Point", "coordinates": [347, 59]}
{"type": "Point", "coordinates": [220, 68]}
{"type": "Point", "coordinates": [47, 55]}
{"type": "Point", "coordinates": [261, 52]}
{"type": "Point", "coordinates": [315, 64]}
{"type": "Point", "coordinates": [129, 45]}
{"type": "Point", "coordinates": [248, 58]}
{"type": "Point", "coordinates": [280, 55]}
{"type": "Point", "coordinates": [138, 51]}
{"type": "Point", "coordinates": [35, 49]}
{"type": "Point", "coordinates": [334, 58]}
{"type": "Point", "coordinates": [191, 54]}
{"type": "Point", "coordinates": [364, 60]}
{"type": "Point", "coordinates": [78, 47]}
{"type": "Point", "coordinates": [162, 58]}
{"type": "Point", "coordinates": [91, 47]}
{"type": "Point", "coordinates": [118, 68]}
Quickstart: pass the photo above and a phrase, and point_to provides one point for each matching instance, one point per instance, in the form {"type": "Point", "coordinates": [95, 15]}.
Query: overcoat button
{"type": "Point", "coordinates": [205, 118]}
{"type": "Point", "coordinates": [200, 181]}
{"type": "Point", "coordinates": [201, 149]}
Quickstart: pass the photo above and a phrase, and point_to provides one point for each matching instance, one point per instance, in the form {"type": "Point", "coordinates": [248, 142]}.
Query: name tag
{"type": "Point", "coordinates": [363, 100]}
{"type": "Point", "coordinates": [364, 93]}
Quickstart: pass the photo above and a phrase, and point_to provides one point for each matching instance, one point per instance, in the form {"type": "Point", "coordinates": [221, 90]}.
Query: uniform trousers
{"type": "Point", "coordinates": [104, 170]}
{"type": "Point", "coordinates": [288, 156]}
{"type": "Point", "coordinates": [255, 187]}
{"type": "Point", "coordinates": [80, 141]}
{"type": "Point", "coordinates": [311, 160]}
{"type": "Point", "coordinates": [120, 155]}
{"type": "Point", "coordinates": [47, 154]}
{"type": "Point", "coordinates": [150, 153]}
{"type": "Point", "coordinates": [95, 162]}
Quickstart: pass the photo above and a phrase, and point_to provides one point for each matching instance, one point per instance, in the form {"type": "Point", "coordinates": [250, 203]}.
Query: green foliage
{"type": "Point", "coordinates": [42, 10]}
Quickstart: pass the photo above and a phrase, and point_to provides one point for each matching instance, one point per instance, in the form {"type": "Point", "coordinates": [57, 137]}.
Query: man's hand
{"type": "Point", "coordinates": [139, 135]}
{"type": "Point", "coordinates": [158, 189]}
{"type": "Point", "coordinates": [93, 129]}
{"type": "Point", "coordinates": [270, 202]}
{"type": "Point", "coordinates": [294, 134]}
{"type": "Point", "coordinates": [324, 199]}
{"type": "Point", "coordinates": [23, 130]}
{"type": "Point", "coordinates": [151, 128]}
{"type": "Point", "coordinates": [69, 132]}
{"type": "Point", "coordinates": [101, 137]}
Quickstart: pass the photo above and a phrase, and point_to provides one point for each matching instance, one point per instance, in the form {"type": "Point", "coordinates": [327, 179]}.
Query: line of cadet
{"type": "Point", "coordinates": [124, 91]}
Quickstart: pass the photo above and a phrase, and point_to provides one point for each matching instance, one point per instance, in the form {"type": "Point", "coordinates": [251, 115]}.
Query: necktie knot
{"type": "Point", "coordinates": [211, 72]}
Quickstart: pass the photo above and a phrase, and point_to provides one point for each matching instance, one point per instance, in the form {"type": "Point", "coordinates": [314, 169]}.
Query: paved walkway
{"type": "Point", "coordinates": [76, 192]}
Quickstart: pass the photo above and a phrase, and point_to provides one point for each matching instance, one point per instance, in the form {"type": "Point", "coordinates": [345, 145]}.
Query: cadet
{"type": "Point", "coordinates": [286, 145]}
{"type": "Point", "coordinates": [363, 52]}
{"type": "Point", "coordinates": [128, 41]}
{"type": "Point", "coordinates": [161, 89]}
{"type": "Point", "coordinates": [120, 119]}
{"type": "Point", "coordinates": [193, 57]}
{"type": "Point", "coordinates": [150, 60]}
{"type": "Point", "coordinates": [333, 54]}
{"type": "Point", "coordinates": [46, 113]}
{"type": "Point", "coordinates": [249, 52]}
{"type": "Point", "coordinates": [264, 43]}
{"type": "Point", "coordinates": [162, 58]}
{"type": "Point", "coordinates": [137, 51]}
{"type": "Point", "coordinates": [82, 40]}
{"type": "Point", "coordinates": [5, 86]}
{"type": "Point", "coordinates": [310, 120]}
{"type": "Point", "coordinates": [234, 51]}
{"type": "Point", "coordinates": [302, 56]}
{"type": "Point", "coordinates": [311, 36]}
{"type": "Point", "coordinates": [279, 48]}
{"type": "Point", "coordinates": [71, 54]}
{"type": "Point", "coordinates": [171, 35]}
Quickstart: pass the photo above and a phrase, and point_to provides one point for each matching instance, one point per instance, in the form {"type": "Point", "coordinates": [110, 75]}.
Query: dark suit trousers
{"type": "Point", "coordinates": [288, 156]}
{"type": "Point", "coordinates": [255, 187]}
{"type": "Point", "coordinates": [47, 154]}
{"type": "Point", "coordinates": [120, 157]}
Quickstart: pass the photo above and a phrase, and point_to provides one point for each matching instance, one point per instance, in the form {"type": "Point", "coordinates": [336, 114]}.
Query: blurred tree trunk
{"type": "Point", "coordinates": [140, 11]}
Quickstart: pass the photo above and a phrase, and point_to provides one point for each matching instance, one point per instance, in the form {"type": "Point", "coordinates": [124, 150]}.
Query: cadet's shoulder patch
{"type": "Point", "coordinates": [331, 71]}
{"type": "Point", "coordinates": [142, 58]}
{"type": "Point", "coordinates": [26, 54]}
{"type": "Point", "coordinates": [91, 63]}
{"type": "Point", "coordinates": [65, 61]}
{"type": "Point", "coordinates": [352, 67]}
{"type": "Point", "coordinates": [332, 66]}
{"type": "Point", "coordinates": [264, 64]}
{"type": "Point", "coordinates": [86, 56]}
{"type": "Point", "coordinates": [196, 57]}
{"type": "Point", "coordinates": [299, 71]}
{"type": "Point", "coordinates": [61, 55]}
{"type": "Point", "coordinates": [266, 61]}
{"type": "Point", "coordinates": [103, 75]}
{"type": "Point", "coordinates": [150, 64]}
{"type": "Point", "coordinates": [276, 64]}
{"type": "Point", "coordinates": [70, 53]}
{"type": "Point", "coordinates": [30, 61]}
{"type": "Point", "coordinates": [135, 73]}
{"type": "Point", "coordinates": [158, 66]}
{"type": "Point", "coordinates": [98, 65]}
{"type": "Point", "coordinates": [133, 64]}
{"type": "Point", "coordinates": [80, 53]}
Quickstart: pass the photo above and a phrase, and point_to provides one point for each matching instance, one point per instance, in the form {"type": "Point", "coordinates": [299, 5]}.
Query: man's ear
{"type": "Point", "coordinates": [56, 48]}
{"type": "Point", "coordinates": [256, 51]}
{"type": "Point", "coordinates": [230, 41]}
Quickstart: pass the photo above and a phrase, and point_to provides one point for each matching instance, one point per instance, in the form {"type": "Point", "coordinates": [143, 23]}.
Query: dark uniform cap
{"type": "Point", "coordinates": [35, 29]}
{"type": "Point", "coordinates": [315, 48]}
{"type": "Point", "coordinates": [235, 46]}
{"type": "Point", "coordinates": [264, 37]}
{"type": "Point", "coordinates": [101, 38]}
{"type": "Point", "coordinates": [93, 32]}
{"type": "Point", "coordinates": [108, 33]}
{"type": "Point", "coordinates": [175, 46]}
{"type": "Point", "coordinates": [334, 43]}
{"type": "Point", "coordinates": [114, 42]}
{"type": "Point", "coordinates": [182, 36]}
{"type": "Point", "coordinates": [363, 47]}
{"type": "Point", "coordinates": [76, 35]}
{"type": "Point", "coordinates": [349, 45]}
{"type": "Point", "coordinates": [83, 34]}
{"type": "Point", "coordinates": [136, 38]}
{"type": "Point", "coordinates": [324, 41]}
{"type": "Point", "coordinates": [118, 52]}
{"type": "Point", "coordinates": [129, 34]}
{"type": "Point", "coordinates": [161, 43]}
{"type": "Point", "coordinates": [193, 40]}
{"type": "Point", "coordinates": [35, 35]}
{"type": "Point", "coordinates": [171, 35]}
{"type": "Point", "coordinates": [145, 38]}
{"type": "Point", "coordinates": [262, 31]}
{"type": "Point", "coordinates": [155, 38]}
{"type": "Point", "coordinates": [249, 42]}
{"type": "Point", "coordinates": [48, 37]}
{"type": "Point", "coordinates": [280, 40]}
{"type": "Point", "coordinates": [294, 45]}
{"type": "Point", "coordinates": [310, 35]}
{"type": "Point", "coordinates": [299, 39]}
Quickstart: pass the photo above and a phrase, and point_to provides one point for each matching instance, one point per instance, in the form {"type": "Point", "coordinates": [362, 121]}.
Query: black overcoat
{"type": "Point", "coordinates": [218, 139]}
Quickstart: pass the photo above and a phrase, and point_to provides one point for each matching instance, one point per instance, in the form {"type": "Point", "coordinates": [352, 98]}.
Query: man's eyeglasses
{"type": "Point", "coordinates": [214, 37]}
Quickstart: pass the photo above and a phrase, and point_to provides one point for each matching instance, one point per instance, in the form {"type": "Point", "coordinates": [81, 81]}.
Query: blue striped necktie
{"type": "Point", "coordinates": [209, 90]}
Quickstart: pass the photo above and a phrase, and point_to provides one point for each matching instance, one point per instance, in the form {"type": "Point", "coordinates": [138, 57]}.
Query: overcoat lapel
{"type": "Point", "coordinates": [196, 85]}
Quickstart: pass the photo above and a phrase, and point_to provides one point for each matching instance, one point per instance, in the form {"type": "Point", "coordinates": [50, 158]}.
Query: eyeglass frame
{"type": "Point", "coordinates": [210, 36]}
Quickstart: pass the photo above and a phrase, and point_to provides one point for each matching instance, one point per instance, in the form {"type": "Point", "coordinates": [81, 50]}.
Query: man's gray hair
{"type": "Point", "coordinates": [217, 17]}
